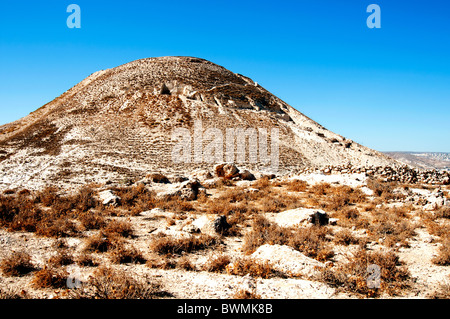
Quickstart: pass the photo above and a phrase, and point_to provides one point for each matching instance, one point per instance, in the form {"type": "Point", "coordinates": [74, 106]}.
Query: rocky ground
{"type": "Point", "coordinates": [228, 233]}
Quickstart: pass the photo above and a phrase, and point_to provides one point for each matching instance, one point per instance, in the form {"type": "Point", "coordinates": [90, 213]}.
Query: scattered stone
{"type": "Point", "coordinates": [247, 176]}
{"type": "Point", "coordinates": [109, 198]}
{"type": "Point", "coordinates": [220, 224]}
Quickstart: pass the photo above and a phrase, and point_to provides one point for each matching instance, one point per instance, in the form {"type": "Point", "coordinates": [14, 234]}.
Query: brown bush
{"type": "Point", "coordinates": [217, 263]}
{"type": "Point", "coordinates": [254, 268]}
{"type": "Point", "coordinates": [62, 258]}
{"type": "Point", "coordinates": [56, 226]}
{"type": "Point", "coordinates": [353, 276]}
{"type": "Point", "coordinates": [172, 245]}
{"type": "Point", "coordinates": [122, 254]}
{"type": "Point", "coordinates": [118, 228]}
{"type": "Point", "coordinates": [91, 220]}
{"type": "Point", "coordinates": [297, 185]}
{"type": "Point", "coordinates": [107, 283]}
{"type": "Point", "coordinates": [18, 264]}
{"type": "Point", "coordinates": [443, 258]}
{"type": "Point", "coordinates": [101, 243]}
{"type": "Point", "coordinates": [85, 260]}
{"type": "Point", "coordinates": [49, 277]}
{"type": "Point", "coordinates": [185, 264]}
{"type": "Point", "coordinates": [392, 226]}
{"type": "Point", "coordinates": [345, 237]}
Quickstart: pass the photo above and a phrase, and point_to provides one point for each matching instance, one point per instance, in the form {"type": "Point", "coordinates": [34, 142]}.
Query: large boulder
{"type": "Point", "coordinates": [227, 171]}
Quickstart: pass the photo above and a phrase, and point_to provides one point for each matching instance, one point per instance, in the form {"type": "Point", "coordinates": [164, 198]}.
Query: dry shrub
{"type": "Point", "coordinates": [443, 212]}
{"type": "Point", "coordinates": [85, 199]}
{"type": "Point", "coordinates": [18, 264]}
{"type": "Point", "coordinates": [392, 226]}
{"type": "Point", "coordinates": [118, 228]}
{"type": "Point", "coordinates": [91, 220]}
{"type": "Point", "coordinates": [86, 260]}
{"type": "Point", "coordinates": [311, 241]}
{"type": "Point", "coordinates": [252, 267]}
{"type": "Point", "coordinates": [345, 237]}
{"type": "Point", "coordinates": [297, 185]}
{"type": "Point", "coordinates": [122, 254]}
{"type": "Point", "coordinates": [320, 189]}
{"type": "Point", "coordinates": [217, 263]}
{"type": "Point", "coordinates": [173, 245]}
{"type": "Point", "coordinates": [185, 264]}
{"type": "Point", "coordinates": [263, 232]}
{"type": "Point", "coordinates": [8, 293]}
{"type": "Point", "coordinates": [384, 190]}
{"type": "Point", "coordinates": [19, 213]}
{"type": "Point", "coordinates": [443, 258]}
{"type": "Point", "coordinates": [108, 283]}
{"type": "Point", "coordinates": [353, 275]}
{"type": "Point", "coordinates": [161, 263]}
{"type": "Point", "coordinates": [101, 243]}
{"type": "Point", "coordinates": [62, 258]}
{"type": "Point", "coordinates": [49, 277]}
{"type": "Point", "coordinates": [56, 226]}
{"type": "Point", "coordinates": [136, 198]}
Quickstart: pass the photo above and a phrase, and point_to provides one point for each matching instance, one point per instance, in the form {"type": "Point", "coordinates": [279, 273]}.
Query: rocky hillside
{"type": "Point", "coordinates": [118, 124]}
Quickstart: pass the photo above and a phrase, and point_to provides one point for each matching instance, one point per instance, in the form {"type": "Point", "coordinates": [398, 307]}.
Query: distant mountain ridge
{"type": "Point", "coordinates": [425, 160]}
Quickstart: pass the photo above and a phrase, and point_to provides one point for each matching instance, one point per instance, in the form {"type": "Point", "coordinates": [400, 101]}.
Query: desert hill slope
{"type": "Point", "coordinates": [118, 123]}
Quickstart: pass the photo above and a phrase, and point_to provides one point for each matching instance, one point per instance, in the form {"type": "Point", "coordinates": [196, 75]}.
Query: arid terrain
{"type": "Point", "coordinates": [93, 205]}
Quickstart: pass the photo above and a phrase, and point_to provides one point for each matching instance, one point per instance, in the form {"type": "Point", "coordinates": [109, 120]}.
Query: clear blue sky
{"type": "Point", "coordinates": [386, 88]}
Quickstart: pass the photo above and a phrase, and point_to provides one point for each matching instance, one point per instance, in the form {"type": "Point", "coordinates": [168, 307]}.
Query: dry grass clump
{"type": "Point", "coordinates": [109, 283]}
{"type": "Point", "coordinates": [384, 190]}
{"type": "Point", "coordinates": [121, 254]}
{"type": "Point", "coordinates": [443, 258]}
{"type": "Point", "coordinates": [10, 294]}
{"type": "Point", "coordinates": [353, 276]}
{"type": "Point", "coordinates": [91, 220]}
{"type": "Point", "coordinates": [62, 258]}
{"type": "Point", "coordinates": [345, 237]}
{"type": "Point", "coordinates": [254, 268]}
{"type": "Point", "coordinates": [185, 264]}
{"type": "Point", "coordinates": [118, 228]}
{"type": "Point", "coordinates": [56, 226]}
{"type": "Point", "coordinates": [217, 263]}
{"type": "Point", "coordinates": [311, 241]}
{"type": "Point", "coordinates": [297, 185]}
{"type": "Point", "coordinates": [173, 245]}
{"type": "Point", "coordinates": [135, 199]}
{"type": "Point", "coordinates": [393, 226]}
{"type": "Point", "coordinates": [86, 260]}
{"type": "Point", "coordinates": [100, 243]}
{"type": "Point", "coordinates": [49, 277]}
{"type": "Point", "coordinates": [17, 264]}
